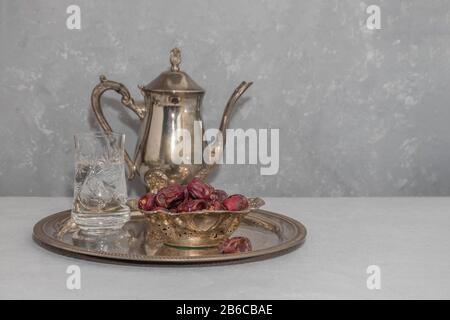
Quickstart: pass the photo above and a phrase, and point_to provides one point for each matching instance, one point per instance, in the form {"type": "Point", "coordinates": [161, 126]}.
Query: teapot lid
{"type": "Point", "coordinates": [174, 80]}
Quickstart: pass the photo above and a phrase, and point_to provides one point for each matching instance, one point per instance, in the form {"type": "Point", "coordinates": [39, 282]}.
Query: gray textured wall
{"type": "Point", "coordinates": [361, 112]}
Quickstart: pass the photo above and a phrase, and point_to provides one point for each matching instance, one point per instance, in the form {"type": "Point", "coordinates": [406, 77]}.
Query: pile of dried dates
{"type": "Point", "coordinates": [195, 196]}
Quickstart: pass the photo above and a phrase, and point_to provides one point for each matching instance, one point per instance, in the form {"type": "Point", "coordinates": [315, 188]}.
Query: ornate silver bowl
{"type": "Point", "coordinates": [197, 229]}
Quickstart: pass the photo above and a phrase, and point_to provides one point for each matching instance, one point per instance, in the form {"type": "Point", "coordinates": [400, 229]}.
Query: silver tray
{"type": "Point", "coordinates": [270, 233]}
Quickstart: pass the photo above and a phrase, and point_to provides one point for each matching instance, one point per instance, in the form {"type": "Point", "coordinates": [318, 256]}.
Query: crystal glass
{"type": "Point", "coordinates": [100, 189]}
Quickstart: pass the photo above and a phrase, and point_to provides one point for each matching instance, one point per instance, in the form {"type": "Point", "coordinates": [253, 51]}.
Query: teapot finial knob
{"type": "Point", "coordinates": [175, 59]}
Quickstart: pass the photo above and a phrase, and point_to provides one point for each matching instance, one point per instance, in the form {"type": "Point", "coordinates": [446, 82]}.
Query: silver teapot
{"type": "Point", "coordinates": [172, 101]}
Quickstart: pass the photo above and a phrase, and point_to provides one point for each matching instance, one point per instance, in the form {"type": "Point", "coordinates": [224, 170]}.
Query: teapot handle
{"type": "Point", "coordinates": [127, 101]}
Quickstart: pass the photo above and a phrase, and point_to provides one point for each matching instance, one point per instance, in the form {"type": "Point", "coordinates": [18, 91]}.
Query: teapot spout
{"type": "Point", "coordinates": [217, 146]}
{"type": "Point", "coordinates": [231, 104]}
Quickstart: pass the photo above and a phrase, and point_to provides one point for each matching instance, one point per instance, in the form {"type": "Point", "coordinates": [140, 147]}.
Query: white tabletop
{"type": "Point", "coordinates": [407, 238]}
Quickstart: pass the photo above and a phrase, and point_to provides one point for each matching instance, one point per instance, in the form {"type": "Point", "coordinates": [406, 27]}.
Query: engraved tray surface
{"type": "Point", "coordinates": [271, 234]}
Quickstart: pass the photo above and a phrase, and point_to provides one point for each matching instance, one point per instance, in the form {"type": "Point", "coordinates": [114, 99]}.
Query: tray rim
{"type": "Point", "coordinates": [53, 244]}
